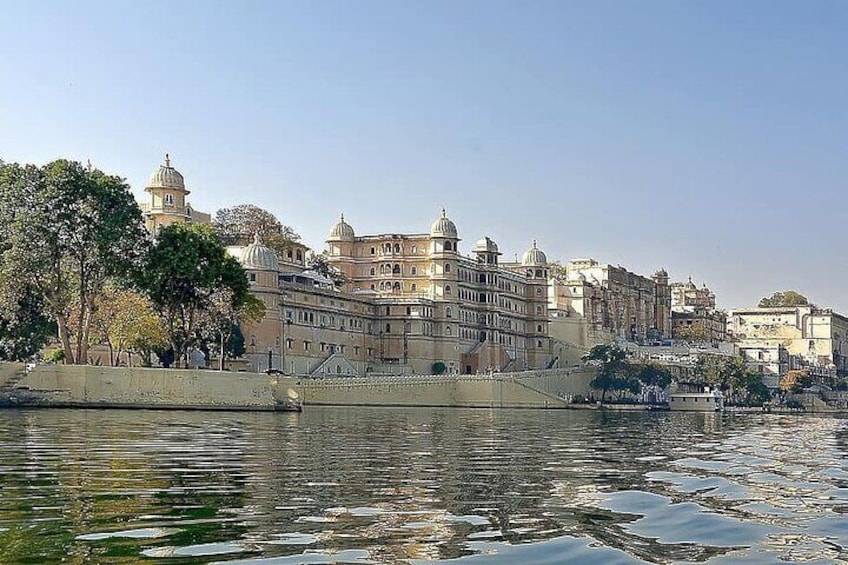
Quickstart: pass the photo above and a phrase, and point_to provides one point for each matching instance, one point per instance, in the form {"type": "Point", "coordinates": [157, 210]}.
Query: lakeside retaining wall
{"type": "Point", "coordinates": [136, 387]}
{"type": "Point", "coordinates": [531, 389]}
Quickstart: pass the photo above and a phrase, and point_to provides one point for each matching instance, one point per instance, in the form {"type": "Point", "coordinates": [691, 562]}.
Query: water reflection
{"type": "Point", "coordinates": [420, 485]}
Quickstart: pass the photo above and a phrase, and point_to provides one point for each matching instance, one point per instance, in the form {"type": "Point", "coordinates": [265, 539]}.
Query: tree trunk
{"type": "Point", "coordinates": [62, 322]}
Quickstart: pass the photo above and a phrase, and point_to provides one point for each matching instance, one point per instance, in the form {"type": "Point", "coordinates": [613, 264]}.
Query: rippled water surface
{"type": "Point", "coordinates": [371, 485]}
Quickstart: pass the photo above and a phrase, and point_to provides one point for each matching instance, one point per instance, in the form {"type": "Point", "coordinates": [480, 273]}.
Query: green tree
{"type": "Point", "coordinates": [184, 273]}
{"type": "Point", "coordinates": [786, 298]}
{"type": "Point", "coordinates": [238, 225]}
{"type": "Point", "coordinates": [614, 372]}
{"type": "Point", "coordinates": [126, 322]}
{"type": "Point", "coordinates": [319, 263]}
{"type": "Point", "coordinates": [721, 371]}
{"type": "Point", "coordinates": [651, 374]}
{"type": "Point", "coordinates": [695, 333]}
{"type": "Point", "coordinates": [223, 317]}
{"type": "Point", "coordinates": [66, 231]}
{"type": "Point", "coordinates": [24, 328]}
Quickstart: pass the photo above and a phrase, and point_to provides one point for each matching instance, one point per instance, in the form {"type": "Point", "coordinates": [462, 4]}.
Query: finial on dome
{"type": "Point", "coordinates": [444, 213]}
{"type": "Point", "coordinates": [256, 238]}
{"type": "Point", "coordinates": [167, 160]}
{"type": "Point", "coordinates": [341, 216]}
{"type": "Point", "coordinates": [534, 244]}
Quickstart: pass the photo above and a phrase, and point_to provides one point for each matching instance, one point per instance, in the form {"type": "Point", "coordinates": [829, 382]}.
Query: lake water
{"type": "Point", "coordinates": [372, 485]}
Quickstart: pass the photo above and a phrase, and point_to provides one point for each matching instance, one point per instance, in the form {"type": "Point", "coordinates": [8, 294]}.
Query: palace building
{"type": "Point", "coordinates": [168, 204]}
{"type": "Point", "coordinates": [411, 303]}
{"type": "Point", "coordinates": [414, 303]}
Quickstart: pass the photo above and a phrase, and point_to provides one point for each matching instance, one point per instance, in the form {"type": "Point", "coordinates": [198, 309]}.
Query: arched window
{"type": "Point", "coordinates": [447, 268]}
{"type": "Point", "coordinates": [397, 248]}
{"type": "Point", "coordinates": [169, 200]}
{"type": "Point", "coordinates": [415, 249]}
{"type": "Point", "coordinates": [373, 271]}
{"type": "Point", "coordinates": [448, 312]}
{"type": "Point", "coordinates": [388, 328]}
{"type": "Point", "coordinates": [448, 246]}
{"type": "Point", "coordinates": [448, 290]}
{"type": "Point", "coordinates": [414, 270]}
{"type": "Point", "coordinates": [396, 288]}
{"type": "Point", "coordinates": [413, 287]}
{"type": "Point", "coordinates": [396, 270]}
{"type": "Point", "coordinates": [448, 330]}
{"type": "Point", "coordinates": [538, 309]}
{"type": "Point", "coordinates": [299, 255]}
{"type": "Point", "coordinates": [539, 328]}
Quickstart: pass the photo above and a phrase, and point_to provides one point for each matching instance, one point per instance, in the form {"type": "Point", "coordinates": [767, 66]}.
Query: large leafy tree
{"type": "Point", "coordinates": [652, 374]}
{"type": "Point", "coordinates": [786, 298]}
{"type": "Point", "coordinates": [614, 372]}
{"type": "Point", "coordinates": [238, 225]}
{"type": "Point", "coordinates": [127, 323]}
{"type": "Point", "coordinates": [185, 273]}
{"type": "Point", "coordinates": [220, 326]}
{"type": "Point", "coordinates": [66, 230]}
{"type": "Point", "coordinates": [24, 328]}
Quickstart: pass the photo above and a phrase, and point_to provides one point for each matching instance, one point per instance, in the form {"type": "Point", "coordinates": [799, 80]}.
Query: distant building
{"type": "Point", "coordinates": [815, 338]}
{"type": "Point", "coordinates": [591, 303]}
{"type": "Point", "coordinates": [168, 204]}
{"type": "Point", "coordinates": [694, 315]}
{"type": "Point", "coordinates": [770, 360]}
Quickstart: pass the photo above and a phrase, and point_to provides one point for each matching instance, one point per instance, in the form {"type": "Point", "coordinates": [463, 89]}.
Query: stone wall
{"type": "Point", "coordinates": [86, 385]}
{"type": "Point", "coordinates": [531, 389]}
{"type": "Point", "coordinates": [92, 386]}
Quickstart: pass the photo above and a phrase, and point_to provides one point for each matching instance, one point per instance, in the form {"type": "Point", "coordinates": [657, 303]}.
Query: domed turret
{"type": "Point", "coordinates": [341, 231]}
{"type": "Point", "coordinates": [486, 245]}
{"type": "Point", "coordinates": [534, 256]}
{"type": "Point", "coordinates": [258, 257]}
{"type": "Point", "coordinates": [167, 177]}
{"type": "Point", "coordinates": [443, 227]}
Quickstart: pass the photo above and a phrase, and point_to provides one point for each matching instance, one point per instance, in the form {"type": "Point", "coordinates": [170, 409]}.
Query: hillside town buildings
{"type": "Point", "coordinates": [694, 316]}
{"type": "Point", "coordinates": [592, 303]}
{"type": "Point", "coordinates": [793, 337]}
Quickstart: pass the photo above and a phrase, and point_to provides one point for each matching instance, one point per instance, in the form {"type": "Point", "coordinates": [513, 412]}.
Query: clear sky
{"type": "Point", "coordinates": [709, 138]}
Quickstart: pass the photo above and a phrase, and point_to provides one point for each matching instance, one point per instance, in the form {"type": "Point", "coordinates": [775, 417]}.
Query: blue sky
{"type": "Point", "coordinates": [709, 138]}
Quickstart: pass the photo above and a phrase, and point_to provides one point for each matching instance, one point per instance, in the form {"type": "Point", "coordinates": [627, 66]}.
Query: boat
{"type": "Point", "coordinates": [705, 400]}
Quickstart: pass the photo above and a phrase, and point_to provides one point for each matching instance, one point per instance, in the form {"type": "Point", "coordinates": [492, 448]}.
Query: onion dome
{"type": "Point", "coordinates": [443, 227]}
{"type": "Point", "coordinates": [258, 257]}
{"type": "Point", "coordinates": [341, 231]}
{"type": "Point", "coordinates": [534, 256]}
{"type": "Point", "coordinates": [485, 245]}
{"type": "Point", "coordinates": [167, 177]}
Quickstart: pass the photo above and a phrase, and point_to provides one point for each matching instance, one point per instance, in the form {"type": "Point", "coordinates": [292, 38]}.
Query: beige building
{"type": "Point", "coordinates": [411, 303]}
{"type": "Point", "coordinates": [694, 316]}
{"type": "Point", "coordinates": [592, 302]}
{"type": "Point", "coordinates": [815, 338]}
{"type": "Point", "coordinates": [168, 204]}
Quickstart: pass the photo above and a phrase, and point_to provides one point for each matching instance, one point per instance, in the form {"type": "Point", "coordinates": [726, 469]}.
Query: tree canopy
{"type": "Point", "coordinates": [187, 274]}
{"type": "Point", "coordinates": [238, 225]}
{"type": "Point", "coordinates": [66, 230]}
{"type": "Point", "coordinates": [785, 298]}
{"type": "Point", "coordinates": [319, 263]}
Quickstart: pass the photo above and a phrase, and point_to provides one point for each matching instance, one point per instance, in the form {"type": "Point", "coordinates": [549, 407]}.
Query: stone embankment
{"type": "Point", "coordinates": [122, 387]}
{"type": "Point", "coordinates": [87, 386]}
{"type": "Point", "coordinates": [530, 389]}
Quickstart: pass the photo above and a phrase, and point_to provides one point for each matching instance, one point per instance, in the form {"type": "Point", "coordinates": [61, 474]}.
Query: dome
{"type": "Point", "coordinates": [257, 256]}
{"type": "Point", "coordinates": [341, 231]}
{"type": "Point", "coordinates": [534, 256]}
{"type": "Point", "coordinates": [486, 245]}
{"type": "Point", "coordinates": [166, 177]}
{"type": "Point", "coordinates": [443, 227]}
